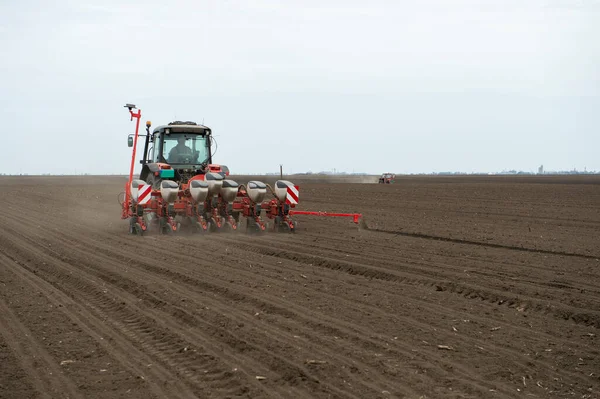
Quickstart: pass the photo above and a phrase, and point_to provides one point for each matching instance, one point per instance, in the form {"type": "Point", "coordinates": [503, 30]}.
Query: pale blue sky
{"type": "Point", "coordinates": [402, 86]}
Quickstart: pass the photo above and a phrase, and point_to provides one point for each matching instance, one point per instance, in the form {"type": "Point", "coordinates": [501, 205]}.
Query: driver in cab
{"type": "Point", "coordinates": [180, 152]}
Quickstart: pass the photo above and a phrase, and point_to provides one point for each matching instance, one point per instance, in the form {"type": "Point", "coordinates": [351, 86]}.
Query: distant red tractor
{"type": "Point", "coordinates": [387, 178]}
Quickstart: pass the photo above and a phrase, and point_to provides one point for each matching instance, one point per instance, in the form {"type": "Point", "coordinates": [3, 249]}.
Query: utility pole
{"type": "Point", "coordinates": [281, 171]}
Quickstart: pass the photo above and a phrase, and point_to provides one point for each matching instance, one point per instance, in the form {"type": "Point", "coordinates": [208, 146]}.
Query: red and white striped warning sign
{"type": "Point", "coordinates": [292, 195]}
{"type": "Point", "coordinates": [144, 191]}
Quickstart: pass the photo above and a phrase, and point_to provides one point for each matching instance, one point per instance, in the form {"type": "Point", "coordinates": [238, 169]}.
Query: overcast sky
{"type": "Point", "coordinates": [369, 86]}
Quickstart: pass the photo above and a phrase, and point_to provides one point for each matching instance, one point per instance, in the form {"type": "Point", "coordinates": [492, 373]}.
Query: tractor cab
{"type": "Point", "coordinates": [181, 144]}
{"type": "Point", "coordinates": [177, 151]}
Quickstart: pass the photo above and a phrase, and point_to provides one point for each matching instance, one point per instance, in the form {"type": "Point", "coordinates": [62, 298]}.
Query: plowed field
{"type": "Point", "coordinates": [465, 287]}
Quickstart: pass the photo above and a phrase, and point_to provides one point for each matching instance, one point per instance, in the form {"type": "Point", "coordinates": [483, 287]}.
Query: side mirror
{"type": "Point", "coordinates": [130, 141]}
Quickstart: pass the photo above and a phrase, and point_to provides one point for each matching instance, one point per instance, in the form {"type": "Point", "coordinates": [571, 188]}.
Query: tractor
{"type": "Point", "coordinates": [387, 178]}
{"type": "Point", "coordinates": [180, 188]}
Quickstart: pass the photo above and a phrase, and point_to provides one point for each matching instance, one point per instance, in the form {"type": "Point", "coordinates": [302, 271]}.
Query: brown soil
{"type": "Point", "coordinates": [465, 287]}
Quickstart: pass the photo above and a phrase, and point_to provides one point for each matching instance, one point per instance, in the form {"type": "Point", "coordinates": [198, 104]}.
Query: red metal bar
{"type": "Point", "coordinates": [138, 116]}
{"type": "Point", "coordinates": [354, 216]}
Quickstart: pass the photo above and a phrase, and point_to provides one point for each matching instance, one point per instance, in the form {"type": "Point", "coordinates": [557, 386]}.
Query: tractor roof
{"type": "Point", "coordinates": [179, 126]}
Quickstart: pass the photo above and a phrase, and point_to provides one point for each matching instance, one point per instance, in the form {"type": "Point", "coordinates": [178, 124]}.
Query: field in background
{"type": "Point", "coordinates": [463, 286]}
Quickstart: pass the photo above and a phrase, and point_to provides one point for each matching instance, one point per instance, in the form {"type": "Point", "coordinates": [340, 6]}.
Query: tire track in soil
{"type": "Point", "coordinates": [138, 328]}
{"type": "Point", "coordinates": [129, 284]}
{"type": "Point", "coordinates": [289, 306]}
{"type": "Point", "coordinates": [160, 382]}
{"type": "Point", "coordinates": [268, 305]}
{"type": "Point", "coordinates": [183, 291]}
{"type": "Point", "coordinates": [443, 269]}
{"type": "Point", "coordinates": [44, 372]}
{"type": "Point", "coordinates": [152, 338]}
{"type": "Point", "coordinates": [14, 379]}
{"type": "Point", "coordinates": [220, 282]}
{"type": "Point", "coordinates": [520, 216]}
{"type": "Point", "coordinates": [588, 317]}
{"type": "Point", "coordinates": [438, 267]}
{"type": "Point", "coordinates": [370, 343]}
{"type": "Point", "coordinates": [413, 266]}
{"type": "Point", "coordinates": [286, 308]}
{"type": "Point", "coordinates": [483, 244]}
{"type": "Point", "coordinates": [308, 324]}
{"type": "Point", "coordinates": [436, 310]}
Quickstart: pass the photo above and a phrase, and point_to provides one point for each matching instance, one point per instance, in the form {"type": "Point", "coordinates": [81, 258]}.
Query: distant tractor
{"type": "Point", "coordinates": [387, 178]}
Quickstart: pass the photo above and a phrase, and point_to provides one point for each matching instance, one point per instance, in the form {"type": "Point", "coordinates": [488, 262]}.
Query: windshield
{"type": "Point", "coordinates": [185, 148]}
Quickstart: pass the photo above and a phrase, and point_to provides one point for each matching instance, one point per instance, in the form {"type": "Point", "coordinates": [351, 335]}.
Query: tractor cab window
{"type": "Point", "coordinates": [185, 148]}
